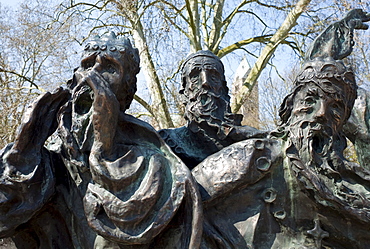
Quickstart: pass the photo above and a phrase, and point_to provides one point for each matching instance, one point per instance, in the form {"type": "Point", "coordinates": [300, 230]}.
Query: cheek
{"type": "Point", "coordinates": [295, 117]}
{"type": "Point", "coordinates": [79, 74]}
{"type": "Point", "coordinates": [300, 113]}
{"type": "Point", "coordinates": [113, 79]}
{"type": "Point", "coordinates": [194, 85]}
{"type": "Point", "coordinates": [216, 87]}
{"type": "Point", "coordinates": [338, 123]}
{"type": "Point", "coordinates": [297, 110]}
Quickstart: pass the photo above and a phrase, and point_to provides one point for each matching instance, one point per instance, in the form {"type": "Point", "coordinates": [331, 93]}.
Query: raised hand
{"type": "Point", "coordinates": [355, 19]}
{"type": "Point", "coordinates": [336, 41]}
{"type": "Point", "coordinates": [105, 109]}
{"type": "Point", "coordinates": [39, 122]}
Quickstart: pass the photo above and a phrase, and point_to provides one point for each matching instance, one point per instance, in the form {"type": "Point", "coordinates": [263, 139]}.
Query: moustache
{"type": "Point", "coordinates": [313, 128]}
{"type": "Point", "coordinates": [205, 102]}
{"type": "Point", "coordinates": [202, 93]}
{"type": "Point", "coordinates": [318, 137]}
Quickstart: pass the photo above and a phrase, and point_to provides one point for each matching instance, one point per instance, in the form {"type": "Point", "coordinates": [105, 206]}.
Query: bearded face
{"type": "Point", "coordinates": [316, 120]}
{"type": "Point", "coordinates": [206, 106]}
{"type": "Point", "coordinates": [206, 93]}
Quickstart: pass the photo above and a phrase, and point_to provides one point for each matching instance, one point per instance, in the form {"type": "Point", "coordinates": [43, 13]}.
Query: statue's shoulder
{"type": "Point", "coordinates": [173, 135]}
{"type": "Point", "coordinates": [127, 118]}
{"type": "Point", "coordinates": [240, 164]}
{"type": "Point", "coordinates": [139, 131]}
{"type": "Point", "coordinates": [270, 146]}
{"type": "Point", "coordinates": [258, 153]}
{"type": "Point", "coordinates": [173, 132]}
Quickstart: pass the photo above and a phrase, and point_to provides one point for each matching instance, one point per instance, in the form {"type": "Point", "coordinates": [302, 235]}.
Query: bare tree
{"type": "Point", "coordinates": [279, 36]}
{"type": "Point", "coordinates": [165, 32]}
{"type": "Point", "coordinates": [36, 55]}
{"type": "Point", "coordinates": [160, 27]}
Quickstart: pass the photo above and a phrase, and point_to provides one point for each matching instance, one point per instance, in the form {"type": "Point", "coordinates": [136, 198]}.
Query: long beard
{"type": "Point", "coordinates": [318, 163]}
{"type": "Point", "coordinates": [318, 147]}
{"type": "Point", "coordinates": [210, 108]}
{"type": "Point", "coordinates": [313, 141]}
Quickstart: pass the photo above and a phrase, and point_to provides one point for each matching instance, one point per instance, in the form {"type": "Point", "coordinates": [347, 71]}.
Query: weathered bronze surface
{"type": "Point", "coordinates": [210, 124]}
{"type": "Point", "coordinates": [337, 40]}
{"type": "Point", "coordinates": [108, 180]}
{"type": "Point", "coordinates": [293, 189]}
{"type": "Point", "coordinates": [111, 181]}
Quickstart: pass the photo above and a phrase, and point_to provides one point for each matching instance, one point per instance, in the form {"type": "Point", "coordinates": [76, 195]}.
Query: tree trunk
{"type": "Point", "coordinates": [159, 106]}
{"type": "Point", "coordinates": [267, 52]}
{"type": "Point", "coordinates": [194, 27]}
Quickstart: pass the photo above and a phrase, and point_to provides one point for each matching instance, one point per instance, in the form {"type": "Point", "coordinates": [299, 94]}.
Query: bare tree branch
{"type": "Point", "coordinates": [144, 104]}
{"type": "Point", "coordinates": [276, 39]}
{"type": "Point", "coordinates": [20, 76]}
{"type": "Point", "coordinates": [192, 9]}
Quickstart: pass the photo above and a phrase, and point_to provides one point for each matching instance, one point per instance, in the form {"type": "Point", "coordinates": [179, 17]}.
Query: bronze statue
{"type": "Point", "coordinates": [294, 189]}
{"type": "Point", "coordinates": [108, 180]}
{"type": "Point", "coordinates": [111, 181]}
{"type": "Point", "coordinates": [336, 41]}
{"type": "Point", "coordinates": [210, 124]}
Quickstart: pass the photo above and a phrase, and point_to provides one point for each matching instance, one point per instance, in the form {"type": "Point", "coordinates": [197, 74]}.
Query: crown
{"type": "Point", "coordinates": [326, 72]}
{"type": "Point", "coordinates": [108, 43]}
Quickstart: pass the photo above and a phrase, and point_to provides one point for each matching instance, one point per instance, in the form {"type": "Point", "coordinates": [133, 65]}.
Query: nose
{"type": "Point", "coordinates": [204, 77]}
{"type": "Point", "coordinates": [98, 63]}
{"type": "Point", "coordinates": [321, 112]}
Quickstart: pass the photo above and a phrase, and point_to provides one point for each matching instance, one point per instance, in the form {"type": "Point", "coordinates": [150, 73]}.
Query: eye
{"type": "Point", "coordinates": [310, 100]}
{"type": "Point", "coordinates": [88, 64]}
{"type": "Point", "coordinates": [194, 75]}
{"type": "Point", "coordinates": [111, 68]}
{"type": "Point", "coordinates": [337, 106]}
{"type": "Point", "coordinates": [215, 77]}
{"type": "Point", "coordinates": [194, 78]}
{"type": "Point", "coordinates": [336, 115]}
{"type": "Point", "coordinates": [306, 109]}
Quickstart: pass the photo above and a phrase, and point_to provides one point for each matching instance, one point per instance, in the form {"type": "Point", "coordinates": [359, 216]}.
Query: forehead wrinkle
{"type": "Point", "coordinates": [313, 91]}
{"type": "Point", "coordinates": [90, 56]}
{"type": "Point", "coordinates": [114, 59]}
{"type": "Point", "coordinates": [195, 68]}
{"type": "Point", "coordinates": [204, 61]}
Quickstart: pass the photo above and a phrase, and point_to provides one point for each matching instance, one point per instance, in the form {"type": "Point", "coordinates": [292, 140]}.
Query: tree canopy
{"type": "Point", "coordinates": [41, 43]}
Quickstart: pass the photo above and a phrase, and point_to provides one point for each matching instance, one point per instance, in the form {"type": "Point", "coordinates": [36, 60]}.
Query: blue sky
{"type": "Point", "coordinates": [10, 2]}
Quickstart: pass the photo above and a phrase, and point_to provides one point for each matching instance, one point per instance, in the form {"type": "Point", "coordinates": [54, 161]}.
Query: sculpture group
{"type": "Point", "coordinates": [109, 180]}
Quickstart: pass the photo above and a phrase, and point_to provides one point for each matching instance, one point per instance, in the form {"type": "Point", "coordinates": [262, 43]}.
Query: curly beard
{"type": "Point", "coordinates": [207, 109]}
{"type": "Point", "coordinates": [312, 140]}
{"type": "Point", "coordinates": [315, 152]}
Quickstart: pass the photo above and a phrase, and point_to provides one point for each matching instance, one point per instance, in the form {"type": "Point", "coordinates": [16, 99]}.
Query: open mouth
{"type": "Point", "coordinates": [319, 135]}
{"type": "Point", "coordinates": [84, 100]}
{"type": "Point", "coordinates": [204, 99]}
{"type": "Point", "coordinates": [320, 144]}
